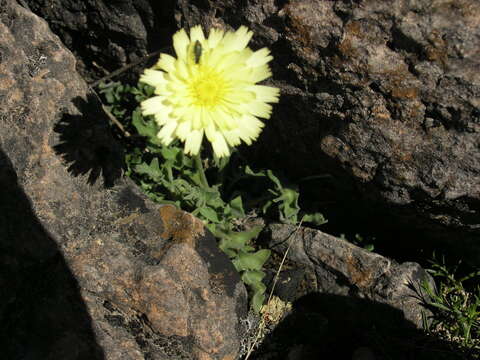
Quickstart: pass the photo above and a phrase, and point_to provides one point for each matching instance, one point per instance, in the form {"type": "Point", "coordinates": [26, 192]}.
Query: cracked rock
{"type": "Point", "coordinates": [343, 269]}
{"type": "Point", "coordinates": [90, 268]}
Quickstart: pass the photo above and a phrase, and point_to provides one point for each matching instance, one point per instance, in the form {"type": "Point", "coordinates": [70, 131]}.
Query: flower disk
{"type": "Point", "coordinates": [210, 88]}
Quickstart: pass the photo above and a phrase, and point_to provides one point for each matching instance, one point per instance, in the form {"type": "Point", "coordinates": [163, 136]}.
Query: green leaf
{"type": "Point", "coordinates": [253, 277]}
{"type": "Point", "coordinates": [266, 206]}
{"type": "Point", "coordinates": [213, 198]}
{"type": "Point", "coordinates": [289, 213]}
{"type": "Point", "coordinates": [212, 228]}
{"type": "Point", "coordinates": [152, 170]}
{"type": "Point", "coordinates": [315, 218]}
{"type": "Point", "coordinates": [252, 261]}
{"type": "Point", "coordinates": [237, 207]}
{"type": "Point", "coordinates": [230, 253]}
{"type": "Point", "coordinates": [249, 171]}
{"type": "Point", "coordinates": [441, 306]}
{"type": "Point", "coordinates": [145, 128]}
{"type": "Point", "coordinates": [236, 262]}
{"type": "Point", "coordinates": [258, 287]}
{"type": "Point", "coordinates": [369, 247]}
{"type": "Point", "coordinates": [239, 240]}
{"type": "Point", "coordinates": [290, 196]}
{"type": "Point", "coordinates": [275, 179]}
{"type": "Point", "coordinates": [142, 91]}
{"type": "Point", "coordinates": [169, 153]}
{"type": "Point", "coordinates": [209, 214]}
{"type": "Point", "coordinates": [109, 97]}
{"type": "Point", "coordinates": [257, 301]}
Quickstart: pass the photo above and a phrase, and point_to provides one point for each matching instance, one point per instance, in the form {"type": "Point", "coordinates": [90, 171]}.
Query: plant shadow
{"type": "Point", "coordinates": [42, 313]}
{"type": "Point", "coordinates": [87, 144]}
{"type": "Point", "coordinates": [327, 326]}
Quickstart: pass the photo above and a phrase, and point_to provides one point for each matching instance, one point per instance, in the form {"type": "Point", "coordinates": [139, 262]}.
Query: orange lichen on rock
{"type": "Point", "coordinates": [180, 226]}
{"type": "Point", "coordinates": [405, 93]}
{"type": "Point", "coordinates": [359, 275]}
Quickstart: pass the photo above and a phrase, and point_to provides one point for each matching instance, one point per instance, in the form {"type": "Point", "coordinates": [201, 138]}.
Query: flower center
{"type": "Point", "coordinates": [208, 88]}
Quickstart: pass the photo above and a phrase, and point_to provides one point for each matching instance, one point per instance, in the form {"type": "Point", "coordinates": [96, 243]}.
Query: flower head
{"type": "Point", "coordinates": [210, 88]}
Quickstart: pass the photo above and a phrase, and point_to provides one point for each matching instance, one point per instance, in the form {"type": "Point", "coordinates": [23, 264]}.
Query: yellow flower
{"type": "Point", "coordinates": [210, 88]}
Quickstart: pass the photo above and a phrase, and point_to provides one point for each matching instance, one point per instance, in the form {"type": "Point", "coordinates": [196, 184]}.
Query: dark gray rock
{"type": "Point", "coordinates": [343, 269]}
{"type": "Point", "coordinates": [89, 267]}
{"type": "Point", "coordinates": [386, 95]}
{"type": "Point", "coordinates": [385, 98]}
{"type": "Point", "coordinates": [105, 35]}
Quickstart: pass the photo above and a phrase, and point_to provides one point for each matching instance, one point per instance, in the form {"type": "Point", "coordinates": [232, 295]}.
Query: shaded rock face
{"type": "Point", "coordinates": [105, 35]}
{"type": "Point", "coordinates": [343, 269]}
{"type": "Point", "coordinates": [91, 269]}
{"type": "Point", "coordinates": [384, 94]}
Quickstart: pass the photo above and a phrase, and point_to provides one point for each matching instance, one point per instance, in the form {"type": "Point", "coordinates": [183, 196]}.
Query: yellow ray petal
{"type": "Point", "coordinates": [232, 137]}
{"type": "Point", "coordinates": [249, 128]}
{"type": "Point", "coordinates": [182, 73]}
{"type": "Point", "coordinates": [214, 38]}
{"type": "Point", "coordinates": [193, 142]}
{"type": "Point", "coordinates": [243, 36]}
{"type": "Point", "coordinates": [260, 73]}
{"type": "Point", "coordinates": [219, 145]}
{"type": "Point", "coordinates": [265, 93]}
{"type": "Point", "coordinates": [236, 41]}
{"type": "Point", "coordinates": [166, 132]}
{"type": "Point", "coordinates": [154, 105]}
{"type": "Point", "coordinates": [166, 63]}
{"type": "Point", "coordinates": [183, 130]}
{"type": "Point", "coordinates": [161, 118]}
{"type": "Point", "coordinates": [260, 109]}
{"type": "Point", "coordinates": [180, 44]}
{"type": "Point", "coordinates": [238, 96]}
{"type": "Point", "coordinates": [153, 78]}
{"type": "Point", "coordinates": [223, 119]}
{"type": "Point", "coordinates": [196, 33]}
{"type": "Point", "coordinates": [259, 58]}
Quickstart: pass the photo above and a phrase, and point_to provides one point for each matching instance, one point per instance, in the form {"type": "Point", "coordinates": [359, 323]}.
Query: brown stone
{"type": "Point", "coordinates": [92, 269]}
{"type": "Point", "coordinates": [344, 269]}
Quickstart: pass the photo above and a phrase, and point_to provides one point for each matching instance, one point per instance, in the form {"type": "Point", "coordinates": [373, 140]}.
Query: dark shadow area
{"type": "Point", "coordinates": [107, 34]}
{"type": "Point", "coordinates": [42, 314]}
{"type": "Point", "coordinates": [325, 326]}
{"type": "Point", "coordinates": [87, 145]}
{"type": "Point", "coordinates": [398, 232]}
{"type": "Point", "coordinates": [410, 232]}
{"type": "Point", "coordinates": [160, 32]}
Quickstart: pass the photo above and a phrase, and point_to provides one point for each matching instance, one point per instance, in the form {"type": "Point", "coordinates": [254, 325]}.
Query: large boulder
{"type": "Point", "coordinates": [90, 272]}
{"type": "Point", "coordinates": [338, 267]}
{"type": "Point", "coordinates": [383, 94]}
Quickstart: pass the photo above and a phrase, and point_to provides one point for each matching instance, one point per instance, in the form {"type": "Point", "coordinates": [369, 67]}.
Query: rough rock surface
{"type": "Point", "coordinates": [105, 35]}
{"type": "Point", "coordinates": [89, 272]}
{"type": "Point", "coordinates": [343, 269]}
{"type": "Point", "coordinates": [384, 93]}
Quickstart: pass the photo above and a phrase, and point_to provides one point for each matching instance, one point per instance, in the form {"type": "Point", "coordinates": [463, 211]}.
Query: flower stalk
{"type": "Point", "coordinates": [199, 166]}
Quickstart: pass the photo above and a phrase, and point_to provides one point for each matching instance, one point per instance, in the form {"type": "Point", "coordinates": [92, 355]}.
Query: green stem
{"type": "Point", "coordinates": [199, 166]}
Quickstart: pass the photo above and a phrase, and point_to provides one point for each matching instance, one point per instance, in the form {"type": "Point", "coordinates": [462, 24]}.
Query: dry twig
{"type": "Point", "coordinates": [275, 279]}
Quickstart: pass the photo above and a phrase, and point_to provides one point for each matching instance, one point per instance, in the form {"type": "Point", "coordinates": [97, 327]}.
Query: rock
{"type": "Point", "coordinates": [344, 269]}
{"type": "Point", "coordinates": [384, 97]}
{"type": "Point", "coordinates": [91, 269]}
{"type": "Point", "coordinates": [106, 35]}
